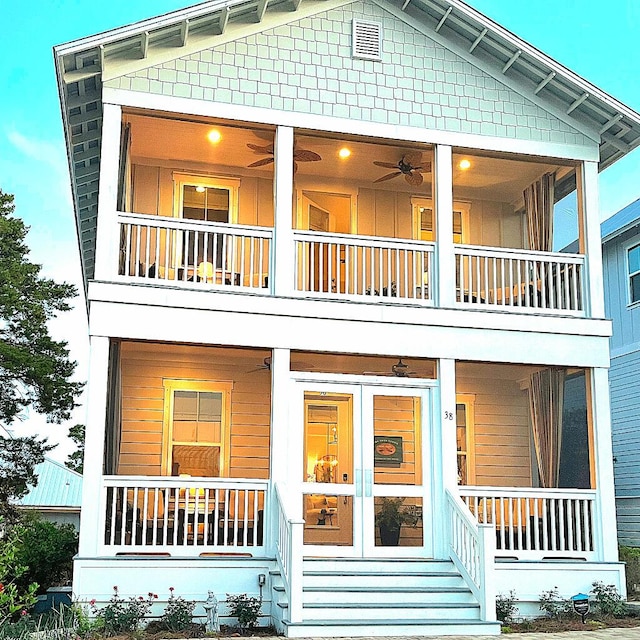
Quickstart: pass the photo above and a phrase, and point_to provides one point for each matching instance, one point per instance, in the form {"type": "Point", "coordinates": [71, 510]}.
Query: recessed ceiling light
{"type": "Point", "coordinates": [214, 136]}
{"type": "Point", "coordinates": [344, 152]}
{"type": "Point", "coordinates": [200, 189]}
{"type": "Point", "coordinates": [464, 164]}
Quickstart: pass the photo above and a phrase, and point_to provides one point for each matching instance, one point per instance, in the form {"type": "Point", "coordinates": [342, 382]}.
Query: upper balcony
{"type": "Point", "coordinates": [378, 221]}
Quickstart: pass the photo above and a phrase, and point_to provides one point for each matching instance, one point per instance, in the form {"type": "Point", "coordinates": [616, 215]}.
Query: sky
{"type": "Point", "coordinates": [594, 39]}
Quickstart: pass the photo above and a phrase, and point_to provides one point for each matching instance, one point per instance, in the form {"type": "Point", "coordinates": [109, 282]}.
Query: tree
{"type": "Point", "coordinates": [35, 369]}
{"type": "Point", "coordinates": [75, 460]}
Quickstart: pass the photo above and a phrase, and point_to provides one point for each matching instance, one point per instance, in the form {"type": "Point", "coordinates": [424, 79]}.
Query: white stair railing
{"type": "Point", "coordinates": [289, 554]}
{"type": "Point", "coordinates": [471, 550]}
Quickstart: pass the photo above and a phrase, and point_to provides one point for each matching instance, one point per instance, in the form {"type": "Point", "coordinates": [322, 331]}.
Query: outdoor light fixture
{"type": "Point", "coordinates": [344, 153]}
{"type": "Point", "coordinates": [464, 164]}
{"type": "Point", "coordinates": [214, 136]}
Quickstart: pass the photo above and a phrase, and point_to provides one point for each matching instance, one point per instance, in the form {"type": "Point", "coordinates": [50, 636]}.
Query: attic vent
{"type": "Point", "coordinates": [367, 40]}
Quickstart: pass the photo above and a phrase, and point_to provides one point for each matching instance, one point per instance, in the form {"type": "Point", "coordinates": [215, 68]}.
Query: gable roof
{"type": "Point", "coordinates": [80, 66]}
{"type": "Point", "coordinates": [620, 222]}
{"type": "Point", "coordinates": [58, 487]}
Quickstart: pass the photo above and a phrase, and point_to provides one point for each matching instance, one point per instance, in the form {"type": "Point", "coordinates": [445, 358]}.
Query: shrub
{"type": "Point", "coordinates": [246, 609]}
{"type": "Point", "coordinates": [554, 605]}
{"type": "Point", "coordinates": [631, 555]}
{"type": "Point", "coordinates": [506, 607]}
{"type": "Point", "coordinates": [123, 616]}
{"type": "Point", "coordinates": [178, 613]}
{"type": "Point", "coordinates": [608, 601]}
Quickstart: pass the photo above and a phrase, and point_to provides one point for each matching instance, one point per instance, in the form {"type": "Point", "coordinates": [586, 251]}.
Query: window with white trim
{"type": "Point", "coordinates": [423, 220]}
{"type": "Point", "coordinates": [633, 269]}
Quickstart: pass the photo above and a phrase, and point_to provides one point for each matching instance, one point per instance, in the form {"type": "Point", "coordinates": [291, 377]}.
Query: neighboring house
{"type": "Point", "coordinates": [621, 263]}
{"type": "Point", "coordinates": [316, 243]}
{"type": "Point", "coordinates": [57, 496]}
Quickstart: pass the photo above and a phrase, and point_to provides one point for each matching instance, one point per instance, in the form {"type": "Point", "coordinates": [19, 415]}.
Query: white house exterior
{"type": "Point", "coordinates": [315, 283]}
{"type": "Point", "coordinates": [620, 252]}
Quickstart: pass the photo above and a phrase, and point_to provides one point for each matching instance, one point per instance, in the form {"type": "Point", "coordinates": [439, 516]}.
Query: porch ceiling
{"type": "Point", "coordinates": [80, 65]}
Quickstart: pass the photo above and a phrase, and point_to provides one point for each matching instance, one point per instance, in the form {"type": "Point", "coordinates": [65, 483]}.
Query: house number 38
{"type": "Point", "coordinates": [448, 415]}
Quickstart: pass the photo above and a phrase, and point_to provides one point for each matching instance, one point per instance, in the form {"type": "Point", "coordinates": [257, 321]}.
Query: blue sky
{"type": "Point", "coordinates": [594, 39]}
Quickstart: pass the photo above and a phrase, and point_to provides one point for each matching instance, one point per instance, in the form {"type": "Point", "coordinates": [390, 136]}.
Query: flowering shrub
{"type": "Point", "coordinates": [123, 616]}
{"type": "Point", "coordinates": [14, 601]}
{"type": "Point", "coordinates": [177, 614]}
{"type": "Point", "coordinates": [246, 609]}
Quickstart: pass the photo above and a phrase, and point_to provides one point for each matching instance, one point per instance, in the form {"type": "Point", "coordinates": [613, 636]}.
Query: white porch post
{"type": "Point", "coordinates": [446, 467]}
{"type": "Point", "coordinates": [92, 491]}
{"type": "Point", "coordinates": [445, 282]}
{"type": "Point", "coordinates": [590, 240]}
{"type": "Point", "coordinates": [283, 248]}
{"type": "Point", "coordinates": [606, 535]}
{"type": "Point", "coordinates": [107, 232]}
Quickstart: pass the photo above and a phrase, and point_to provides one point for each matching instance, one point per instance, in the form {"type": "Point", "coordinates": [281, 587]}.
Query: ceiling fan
{"type": "Point", "coordinates": [266, 365]}
{"type": "Point", "coordinates": [299, 155]}
{"type": "Point", "coordinates": [400, 370]}
{"type": "Point", "coordinates": [410, 166]}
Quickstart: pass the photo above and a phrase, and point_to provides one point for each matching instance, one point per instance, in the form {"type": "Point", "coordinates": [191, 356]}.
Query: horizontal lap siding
{"type": "Point", "coordinates": [502, 434]}
{"type": "Point", "coordinates": [144, 367]}
{"type": "Point", "coordinates": [628, 517]}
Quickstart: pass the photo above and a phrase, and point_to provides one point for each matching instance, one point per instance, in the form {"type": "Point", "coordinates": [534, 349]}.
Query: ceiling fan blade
{"type": "Point", "coordinates": [386, 165]}
{"type": "Point", "coordinates": [414, 178]}
{"type": "Point", "coordinates": [260, 163]}
{"type": "Point", "coordinates": [388, 176]}
{"type": "Point", "coordinates": [414, 158]}
{"type": "Point", "coordinates": [259, 149]}
{"type": "Point", "coordinates": [425, 168]}
{"type": "Point", "coordinates": [303, 155]}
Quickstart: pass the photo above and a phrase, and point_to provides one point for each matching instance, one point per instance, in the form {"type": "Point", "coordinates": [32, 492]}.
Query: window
{"type": "Point", "coordinates": [464, 439]}
{"type": "Point", "coordinates": [633, 266]}
{"type": "Point", "coordinates": [196, 429]}
{"type": "Point", "coordinates": [423, 223]}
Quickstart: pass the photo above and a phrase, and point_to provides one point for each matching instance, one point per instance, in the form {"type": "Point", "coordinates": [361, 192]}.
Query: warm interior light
{"type": "Point", "coordinates": [200, 189]}
{"type": "Point", "coordinates": [344, 152]}
{"type": "Point", "coordinates": [464, 164]}
{"type": "Point", "coordinates": [214, 136]}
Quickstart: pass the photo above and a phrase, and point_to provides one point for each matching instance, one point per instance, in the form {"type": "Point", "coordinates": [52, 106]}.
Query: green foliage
{"type": "Point", "coordinates": [246, 609]}
{"type": "Point", "coordinates": [506, 608]}
{"type": "Point", "coordinates": [47, 550]}
{"type": "Point", "coordinates": [62, 623]}
{"type": "Point", "coordinates": [178, 613]}
{"type": "Point", "coordinates": [14, 600]}
{"type": "Point", "coordinates": [554, 605]}
{"type": "Point", "coordinates": [391, 514]}
{"type": "Point", "coordinates": [75, 460]}
{"type": "Point", "coordinates": [608, 601]}
{"type": "Point", "coordinates": [122, 616]}
{"type": "Point", "coordinates": [631, 555]}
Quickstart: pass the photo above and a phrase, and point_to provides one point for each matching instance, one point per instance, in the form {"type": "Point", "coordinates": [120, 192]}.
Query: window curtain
{"type": "Point", "coordinates": [114, 412]}
{"type": "Point", "coordinates": [538, 203]}
{"type": "Point", "coordinates": [546, 395]}
{"type": "Point", "coordinates": [125, 192]}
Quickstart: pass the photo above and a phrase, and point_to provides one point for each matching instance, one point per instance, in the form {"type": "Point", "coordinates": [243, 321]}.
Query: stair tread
{"type": "Point", "coordinates": [352, 622]}
{"type": "Point", "coordinates": [398, 573]}
{"type": "Point", "coordinates": [390, 589]}
{"type": "Point", "coordinates": [391, 605]}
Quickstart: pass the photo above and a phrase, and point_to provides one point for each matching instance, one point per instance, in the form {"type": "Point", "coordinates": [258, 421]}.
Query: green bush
{"type": "Point", "coordinates": [608, 601]}
{"type": "Point", "coordinates": [631, 555]}
{"type": "Point", "coordinates": [46, 550]}
{"type": "Point", "coordinates": [554, 605]}
{"type": "Point", "coordinates": [122, 616]}
{"type": "Point", "coordinates": [15, 598]}
{"type": "Point", "coordinates": [178, 613]}
{"type": "Point", "coordinates": [506, 607]}
{"type": "Point", "coordinates": [246, 609]}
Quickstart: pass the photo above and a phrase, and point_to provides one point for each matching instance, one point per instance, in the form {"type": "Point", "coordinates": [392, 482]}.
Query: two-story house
{"type": "Point", "coordinates": [317, 243]}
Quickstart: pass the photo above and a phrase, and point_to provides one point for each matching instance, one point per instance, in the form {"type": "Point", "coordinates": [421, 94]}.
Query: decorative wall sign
{"type": "Point", "coordinates": [387, 451]}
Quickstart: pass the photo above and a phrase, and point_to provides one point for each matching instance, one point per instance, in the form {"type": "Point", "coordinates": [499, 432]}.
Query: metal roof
{"type": "Point", "coordinates": [80, 64]}
{"type": "Point", "coordinates": [620, 222]}
{"type": "Point", "coordinates": [57, 486]}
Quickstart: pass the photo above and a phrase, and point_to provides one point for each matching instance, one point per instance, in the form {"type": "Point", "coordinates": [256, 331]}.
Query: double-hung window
{"type": "Point", "coordinates": [633, 267]}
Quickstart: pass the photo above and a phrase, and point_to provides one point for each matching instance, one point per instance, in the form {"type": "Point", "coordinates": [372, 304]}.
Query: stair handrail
{"type": "Point", "coordinates": [472, 550]}
{"type": "Point", "coordinates": [289, 545]}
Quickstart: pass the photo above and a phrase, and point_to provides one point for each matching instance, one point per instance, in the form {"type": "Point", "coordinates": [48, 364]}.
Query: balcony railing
{"type": "Point", "coordinates": [519, 280]}
{"type": "Point", "coordinates": [375, 269]}
{"type": "Point", "coordinates": [532, 524]}
{"type": "Point", "coordinates": [182, 516]}
{"type": "Point", "coordinates": [194, 253]}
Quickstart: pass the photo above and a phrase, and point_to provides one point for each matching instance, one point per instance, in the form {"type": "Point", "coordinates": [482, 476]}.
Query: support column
{"type": "Point", "coordinates": [92, 490]}
{"type": "Point", "coordinates": [107, 231]}
{"type": "Point", "coordinates": [283, 248]}
{"type": "Point", "coordinates": [590, 239]}
{"type": "Point", "coordinates": [445, 277]}
{"type": "Point", "coordinates": [602, 465]}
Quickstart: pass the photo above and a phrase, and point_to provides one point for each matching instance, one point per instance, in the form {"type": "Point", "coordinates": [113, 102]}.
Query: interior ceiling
{"type": "Point", "coordinates": [177, 142]}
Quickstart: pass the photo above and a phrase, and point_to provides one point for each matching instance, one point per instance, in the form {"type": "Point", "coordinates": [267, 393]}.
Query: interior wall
{"type": "Point", "coordinates": [145, 366]}
{"type": "Point", "coordinates": [501, 429]}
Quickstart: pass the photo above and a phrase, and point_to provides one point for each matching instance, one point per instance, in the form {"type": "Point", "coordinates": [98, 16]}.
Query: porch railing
{"type": "Point", "coordinates": [525, 280]}
{"type": "Point", "coordinates": [471, 550]}
{"type": "Point", "coordinates": [289, 541]}
{"type": "Point", "coordinates": [194, 253]}
{"type": "Point", "coordinates": [378, 269]}
{"type": "Point", "coordinates": [531, 524]}
{"type": "Point", "coordinates": [183, 516]}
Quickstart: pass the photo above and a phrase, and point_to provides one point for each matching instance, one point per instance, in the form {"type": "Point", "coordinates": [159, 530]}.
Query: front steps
{"type": "Point", "coordinates": [382, 597]}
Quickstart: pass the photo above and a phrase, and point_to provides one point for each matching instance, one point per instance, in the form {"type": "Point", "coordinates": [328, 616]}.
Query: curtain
{"type": "Point", "coordinates": [125, 203]}
{"type": "Point", "coordinates": [538, 203]}
{"type": "Point", "coordinates": [114, 412]}
{"type": "Point", "coordinates": [546, 391]}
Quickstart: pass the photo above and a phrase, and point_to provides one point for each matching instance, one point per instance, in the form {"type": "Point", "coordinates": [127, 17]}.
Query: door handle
{"type": "Point", "coordinates": [358, 477]}
{"type": "Point", "coordinates": [368, 483]}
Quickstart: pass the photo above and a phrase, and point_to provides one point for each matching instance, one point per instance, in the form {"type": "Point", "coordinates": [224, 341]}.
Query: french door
{"type": "Point", "coordinates": [365, 471]}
